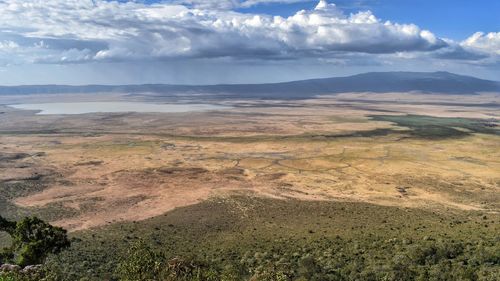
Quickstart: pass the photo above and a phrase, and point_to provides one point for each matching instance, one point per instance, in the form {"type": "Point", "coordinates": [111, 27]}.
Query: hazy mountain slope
{"type": "Point", "coordinates": [440, 82]}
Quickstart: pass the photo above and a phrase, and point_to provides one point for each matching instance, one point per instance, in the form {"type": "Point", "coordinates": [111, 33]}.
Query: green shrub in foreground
{"type": "Point", "coordinates": [423, 260]}
{"type": "Point", "coordinates": [32, 241]}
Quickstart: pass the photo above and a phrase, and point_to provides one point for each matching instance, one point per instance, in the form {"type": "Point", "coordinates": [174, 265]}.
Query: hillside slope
{"type": "Point", "coordinates": [378, 82]}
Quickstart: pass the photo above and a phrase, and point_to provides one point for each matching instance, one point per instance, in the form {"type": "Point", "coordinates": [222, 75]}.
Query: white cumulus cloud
{"type": "Point", "coordinates": [489, 43]}
{"type": "Point", "coordinates": [79, 31]}
{"type": "Point", "coordinates": [229, 4]}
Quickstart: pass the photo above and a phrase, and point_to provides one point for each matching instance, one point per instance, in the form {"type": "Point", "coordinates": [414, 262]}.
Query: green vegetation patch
{"type": "Point", "coordinates": [247, 238]}
{"type": "Point", "coordinates": [32, 240]}
{"type": "Point", "coordinates": [441, 127]}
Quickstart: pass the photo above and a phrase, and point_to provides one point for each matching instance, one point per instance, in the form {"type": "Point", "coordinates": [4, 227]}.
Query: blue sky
{"type": "Point", "coordinates": [455, 19]}
{"type": "Point", "coordinates": [242, 41]}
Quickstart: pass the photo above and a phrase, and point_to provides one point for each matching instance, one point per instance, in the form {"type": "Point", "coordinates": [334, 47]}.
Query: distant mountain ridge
{"type": "Point", "coordinates": [377, 82]}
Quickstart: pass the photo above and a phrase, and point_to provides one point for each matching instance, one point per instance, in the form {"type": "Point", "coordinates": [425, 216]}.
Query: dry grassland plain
{"type": "Point", "coordinates": [86, 171]}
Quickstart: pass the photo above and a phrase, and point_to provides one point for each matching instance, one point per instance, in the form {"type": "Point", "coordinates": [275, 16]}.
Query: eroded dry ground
{"type": "Point", "coordinates": [115, 167]}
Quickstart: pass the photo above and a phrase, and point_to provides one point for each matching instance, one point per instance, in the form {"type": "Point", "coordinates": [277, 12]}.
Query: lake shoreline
{"type": "Point", "coordinates": [72, 108]}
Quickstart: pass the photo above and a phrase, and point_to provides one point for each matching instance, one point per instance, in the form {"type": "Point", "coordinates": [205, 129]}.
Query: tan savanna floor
{"type": "Point", "coordinates": [112, 168]}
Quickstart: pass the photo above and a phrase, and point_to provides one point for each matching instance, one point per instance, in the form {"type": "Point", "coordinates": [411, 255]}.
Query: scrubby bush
{"type": "Point", "coordinates": [32, 241]}
{"type": "Point", "coordinates": [394, 261]}
{"type": "Point", "coordinates": [142, 263]}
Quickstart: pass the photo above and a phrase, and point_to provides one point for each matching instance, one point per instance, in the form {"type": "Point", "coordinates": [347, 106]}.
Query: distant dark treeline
{"type": "Point", "coordinates": [378, 82]}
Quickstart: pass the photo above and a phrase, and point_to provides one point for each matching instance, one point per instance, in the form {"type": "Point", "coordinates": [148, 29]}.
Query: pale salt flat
{"type": "Point", "coordinates": [95, 107]}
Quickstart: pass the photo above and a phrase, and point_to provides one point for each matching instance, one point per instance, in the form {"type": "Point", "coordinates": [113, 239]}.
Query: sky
{"type": "Point", "coordinates": [242, 41]}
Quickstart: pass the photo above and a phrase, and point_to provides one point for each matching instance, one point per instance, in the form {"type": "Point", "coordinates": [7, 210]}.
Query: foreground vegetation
{"type": "Point", "coordinates": [245, 238]}
{"type": "Point", "coordinates": [32, 240]}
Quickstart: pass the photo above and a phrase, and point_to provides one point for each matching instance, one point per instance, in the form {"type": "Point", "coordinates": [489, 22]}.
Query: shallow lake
{"type": "Point", "coordinates": [93, 107]}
